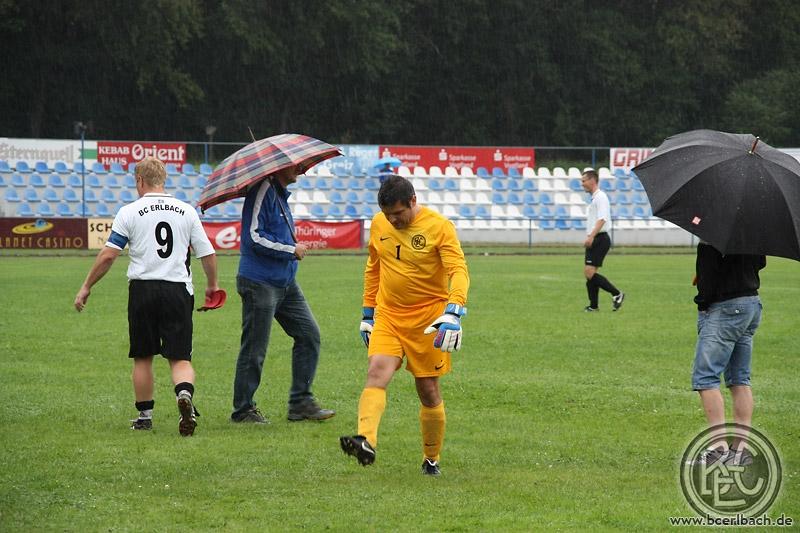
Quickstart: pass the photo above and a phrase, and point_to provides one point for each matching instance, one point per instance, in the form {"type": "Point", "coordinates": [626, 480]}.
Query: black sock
{"type": "Point", "coordinates": [144, 406]}
{"type": "Point", "coordinates": [184, 386]}
{"type": "Point", "coordinates": [593, 291]}
{"type": "Point", "coordinates": [603, 283]}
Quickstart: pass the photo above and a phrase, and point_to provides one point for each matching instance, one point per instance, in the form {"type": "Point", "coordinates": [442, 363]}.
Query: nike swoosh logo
{"type": "Point", "coordinates": [438, 367]}
{"type": "Point", "coordinates": [384, 238]}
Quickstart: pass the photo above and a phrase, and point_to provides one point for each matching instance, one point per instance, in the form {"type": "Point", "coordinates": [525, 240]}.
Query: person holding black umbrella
{"type": "Point", "coordinates": [597, 243]}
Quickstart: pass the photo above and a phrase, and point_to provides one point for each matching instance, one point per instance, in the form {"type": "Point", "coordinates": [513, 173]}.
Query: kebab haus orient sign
{"type": "Point", "coordinates": [43, 233]}
{"type": "Point", "coordinates": [126, 152]}
{"type": "Point", "coordinates": [461, 156]}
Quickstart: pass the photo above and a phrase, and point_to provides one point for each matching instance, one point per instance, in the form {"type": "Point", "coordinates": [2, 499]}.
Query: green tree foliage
{"type": "Point", "coordinates": [499, 72]}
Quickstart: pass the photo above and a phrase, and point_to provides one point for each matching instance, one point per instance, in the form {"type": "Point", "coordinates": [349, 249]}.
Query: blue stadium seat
{"type": "Point", "coordinates": [22, 166]}
{"type": "Point", "coordinates": [334, 210]}
{"type": "Point", "coordinates": [639, 199]}
{"type": "Point", "coordinates": [24, 210]}
{"type": "Point", "coordinates": [370, 197]}
{"type": "Point", "coordinates": [545, 212]}
{"type": "Point", "coordinates": [11, 195]}
{"type": "Point", "coordinates": [350, 211]}
{"type": "Point", "coordinates": [132, 167]}
{"type": "Point", "coordinates": [117, 169]}
{"type": "Point", "coordinates": [530, 199]}
{"type": "Point", "coordinates": [355, 184]}
{"type": "Point", "coordinates": [213, 212]}
{"type": "Point", "coordinates": [336, 197]}
{"type": "Point", "coordinates": [529, 212]}
{"type": "Point", "coordinates": [74, 180]}
{"type": "Point", "coordinates": [482, 212]}
{"type": "Point", "coordinates": [636, 185]}
{"type": "Point", "coordinates": [232, 210]}
{"type": "Point", "coordinates": [620, 173]}
{"type": "Point", "coordinates": [340, 172]}
{"type": "Point", "coordinates": [514, 199]}
{"type": "Point", "coordinates": [372, 172]}
{"type": "Point", "coordinates": [579, 223]}
{"type": "Point", "coordinates": [78, 168]}
{"type": "Point", "coordinates": [322, 184]}
{"type": "Point", "coordinates": [93, 181]}
{"type": "Point", "coordinates": [435, 185]}
{"type": "Point", "coordinates": [188, 170]}
{"type": "Point", "coordinates": [642, 212]}
{"type": "Point", "coordinates": [107, 196]}
{"type": "Point", "coordinates": [498, 198]}
{"type": "Point", "coordinates": [71, 196]}
{"type": "Point", "coordinates": [451, 185]}
{"type": "Point", "coordinates": [304, 183]}
{"type": "Point", "coordinates": [466, 211]}
{"type": "Point", "coordinates": [41, 167]}
{"type": "Point", "coordinates": [561, 212]}
{"type": "Point", "coordinates": [185, 183]}
{"type": "Point", "coordinates": [357, 171]}
{"type": "Point", "coordinates": [545, 199]}
{"type": "Point", "coordinates": [498, 172]}
{"type": "Point", "coordinates": [623, 185]}
{"type": "Point", "coordinates": [620, 211]}
{"type": "Point", "coordinates": [482, 173]}
{"type": "Point", "coordinates": [623, 199]}
{"type": "Point", "coordinates": [352, 197]}
{"type": "Point", "coordinates": [499, 185]}
{"type": "Point", "coordinates": [2, 181]}
{"type": "Point", "coordinates": [36, 180]}
{"type": "Point", "coordinates": [30, 195]}
{"type": "Point", "coordinates": [206, 169]}
{"type": "Point", "coordinates": [89, 195]}
{"type": "Point", "coordinates": [50, 195]}
{"type": "Point", "coordinates": [575, 185]}
{"type": "Point", "coordinates": [45, 210]}
{"type": "Point", "coordinates": [61, 167]}
{"type": "Point", "coordinates": [17, 180]}
{"type": "Point", "coordinates": [372, 184]}
{"type": "Point", "coordinates": [172, 170]}
{"type": "Point", "coordinates": [63, 210]}
{"type": "Point", "coordinates": [317, 211]}
{"type": "Point", "coordinates": [4, 167]}
{"type": "Point", "coordinates": [339, 184]}
{"type": "Point", "coordinates": [102, 210]}
{"type": "Point", "coordinates": [129, 181]}
{"type": "Point", "coordinates": [112, 182]}
{"type": "Point", "coordinates": [98, 168]}
{"type": "Point", "coordinates": [83, 210]}
{"type": "Point", "coordinates": [181, 195]}
{"type": "Point", "coordinates": [562, 223]}
{"type": "Point", "coordinates": [547, 224]}
{"type": "Point", "coordinates": [126, 196]}
{"type": "Point", "coordinates": [169, 183]}
{"type": "Point", "coordinates": [514, 185]}
{"type": "Point", "coordinates": [366, 211]}
{"type": "Point", "coordinates": [55, 181]}
{"type": "Point", "coordinates": [513, 172]}
{"type": "Point", "coordinates": [607, 186]}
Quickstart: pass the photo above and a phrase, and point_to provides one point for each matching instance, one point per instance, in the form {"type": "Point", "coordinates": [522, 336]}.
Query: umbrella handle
{"type": "Point", "coordinates": [753, 148]}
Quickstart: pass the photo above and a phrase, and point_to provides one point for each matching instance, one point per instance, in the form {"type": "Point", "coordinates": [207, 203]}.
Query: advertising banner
{"type": "Point", "coordinates": [462, 156]}
{"type": "Point", "coordinates": [626, 158]}
{"type": "Point", "coordinates": [98, 231]}
{"type": "Point", "coordinates": [47, 150]}
{"type": "Point", "coordinates": [124, 152]}
{"type": "Point", "coordinates": [317, 235]}
{"type": "Point", "coordinates": [43, 233]}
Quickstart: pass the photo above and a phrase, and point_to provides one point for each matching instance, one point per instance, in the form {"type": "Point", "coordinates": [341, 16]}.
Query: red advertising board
{"type": "Point", "coordinates": [227, 235]}
{"type": "Point", "coordinates": [43, 233]}
{"type": "Point", "coordinates": [461, 156]}
{"type": "Point", "coordinates": [130, 152]}
{"type": "Point", "coordinates": [627, 158]}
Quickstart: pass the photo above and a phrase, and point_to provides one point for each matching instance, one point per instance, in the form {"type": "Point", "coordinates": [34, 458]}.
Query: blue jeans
{"type": "Point", "coordinates": [260, 303]}
{"type": "Point", "coordinates": [725, 342]}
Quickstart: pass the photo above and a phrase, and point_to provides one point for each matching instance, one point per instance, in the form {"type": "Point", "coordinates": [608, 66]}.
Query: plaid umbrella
{"type": "Point", "coordinates": [259, 159]}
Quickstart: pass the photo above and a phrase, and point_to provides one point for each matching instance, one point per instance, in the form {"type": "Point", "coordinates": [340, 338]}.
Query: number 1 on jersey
{"type": "Point", "coordinates": [398, 251]}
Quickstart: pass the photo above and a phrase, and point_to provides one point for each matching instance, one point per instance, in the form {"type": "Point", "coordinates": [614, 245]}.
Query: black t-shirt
{"type": "Point", "coordinates": [723, 277]}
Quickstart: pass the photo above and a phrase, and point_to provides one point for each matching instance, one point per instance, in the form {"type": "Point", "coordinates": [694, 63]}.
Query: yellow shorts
{"type": "Point", "coordinates": [405, 338]}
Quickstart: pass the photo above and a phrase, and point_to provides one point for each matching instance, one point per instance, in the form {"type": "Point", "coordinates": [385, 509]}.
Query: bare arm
{"type": "Point", "coordinates": [102, 264]}
{"type": "Point", "coordinates": [209, 263]}
{"type": "Point", "coordinates": [590, 238]}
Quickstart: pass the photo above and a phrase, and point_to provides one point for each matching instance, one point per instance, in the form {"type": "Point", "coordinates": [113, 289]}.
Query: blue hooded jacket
{"type": "Point", "coordinates": [267, 247]}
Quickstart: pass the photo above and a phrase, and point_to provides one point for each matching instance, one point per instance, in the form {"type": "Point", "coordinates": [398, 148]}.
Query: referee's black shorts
{"type": "Point", "coordinates": [594, 256]}
{"type": "Point", "coordinates": [160, 319]}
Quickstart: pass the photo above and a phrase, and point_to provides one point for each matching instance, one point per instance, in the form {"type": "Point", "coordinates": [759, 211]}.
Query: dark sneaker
{"type": "Point", "coordinates": [742, 458]}
{"type": "Point", "coordinates": [617, 300]}
{"type": "Point", "coordinates": [142, 423]}
{"type": "Point", "coordinates": [253, 416]}
{"type": "Point", "coordinates": [710, 457]}
{"type": "Point", "coordinates": [188, 419]}
{"type": "Point", "coordinates": [358, 447]}
{"type": "Point", "coordinates": [431, 468]}
{"type": "Point", "coordinates": [308, 410]}
{"type": "Point", "coordinates": [590, 309]}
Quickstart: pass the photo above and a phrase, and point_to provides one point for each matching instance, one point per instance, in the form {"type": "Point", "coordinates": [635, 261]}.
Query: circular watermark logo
{"type": "Point", "coordinates": [730, 470]}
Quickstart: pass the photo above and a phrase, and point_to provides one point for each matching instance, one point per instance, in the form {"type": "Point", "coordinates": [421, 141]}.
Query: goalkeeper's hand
{"type": "Point", "coordinates": [448, 328]}
{"type": "Point", "coordinates": [367, 321]}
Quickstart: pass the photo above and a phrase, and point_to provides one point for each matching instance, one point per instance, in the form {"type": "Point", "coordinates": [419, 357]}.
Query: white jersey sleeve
{"type": "Point", "coordinates": [600, 208]}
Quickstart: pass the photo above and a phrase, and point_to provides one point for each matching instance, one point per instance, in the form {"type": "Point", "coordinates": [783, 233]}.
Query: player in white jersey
{"type": "Point", "coordinates": [159, 231]}
{"type": "Point", "coordinates": [597, 243]}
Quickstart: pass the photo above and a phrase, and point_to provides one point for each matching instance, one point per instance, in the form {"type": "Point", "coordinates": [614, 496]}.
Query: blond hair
{"type": "Point", "coordinates": [152, 171]}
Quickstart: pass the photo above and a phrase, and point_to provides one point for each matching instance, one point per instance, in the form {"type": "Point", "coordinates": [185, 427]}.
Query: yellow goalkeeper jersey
{"type": "Point", "coordinates": [414, 267]}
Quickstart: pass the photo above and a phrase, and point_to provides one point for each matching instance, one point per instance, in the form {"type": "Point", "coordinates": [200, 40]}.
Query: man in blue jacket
{"type": "Point", "coordinates": [266, 282]}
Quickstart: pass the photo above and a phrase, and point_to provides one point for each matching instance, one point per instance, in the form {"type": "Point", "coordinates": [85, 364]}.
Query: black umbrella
{"type": "Point", "coordinates": [738, 194]}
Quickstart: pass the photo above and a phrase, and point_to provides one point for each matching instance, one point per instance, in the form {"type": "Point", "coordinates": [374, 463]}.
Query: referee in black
{"type": "Point", "coordinates": [597, 243]}
{"type": "Point", "coordinates": [160, 232]}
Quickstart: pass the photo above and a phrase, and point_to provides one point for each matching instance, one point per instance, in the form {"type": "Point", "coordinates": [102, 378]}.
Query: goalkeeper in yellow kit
{"type": "Point", "coordinates": [415, 284]}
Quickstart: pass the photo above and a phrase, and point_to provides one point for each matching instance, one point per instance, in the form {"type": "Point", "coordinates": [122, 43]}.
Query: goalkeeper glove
{"type": "Point", "coordinates": [367, 321]}
{"type": "Point", "coordinates": [448, 326]}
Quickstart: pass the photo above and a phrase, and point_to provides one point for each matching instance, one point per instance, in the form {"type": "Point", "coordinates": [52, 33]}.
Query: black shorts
{"type": "Point", "coordinates": [594, 256]}
{"type": "Point", "coordinates": [160, 319]}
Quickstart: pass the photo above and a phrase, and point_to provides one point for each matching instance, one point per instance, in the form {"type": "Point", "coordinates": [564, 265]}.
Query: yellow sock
{"type": "Point", "coordinates": [370, 409]}
{"type": "Point", "coordinates": [432, 421]}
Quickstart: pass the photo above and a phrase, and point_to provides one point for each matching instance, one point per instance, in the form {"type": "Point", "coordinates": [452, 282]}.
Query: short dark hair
{"type": "Point", "coordinates": [395, 189]}
{"type": "Point", "coordinates": [592, 173]}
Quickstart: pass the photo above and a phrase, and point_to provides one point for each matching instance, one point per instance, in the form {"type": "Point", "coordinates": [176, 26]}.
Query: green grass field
{"type": "Point", "coordinates": [557, 419]}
